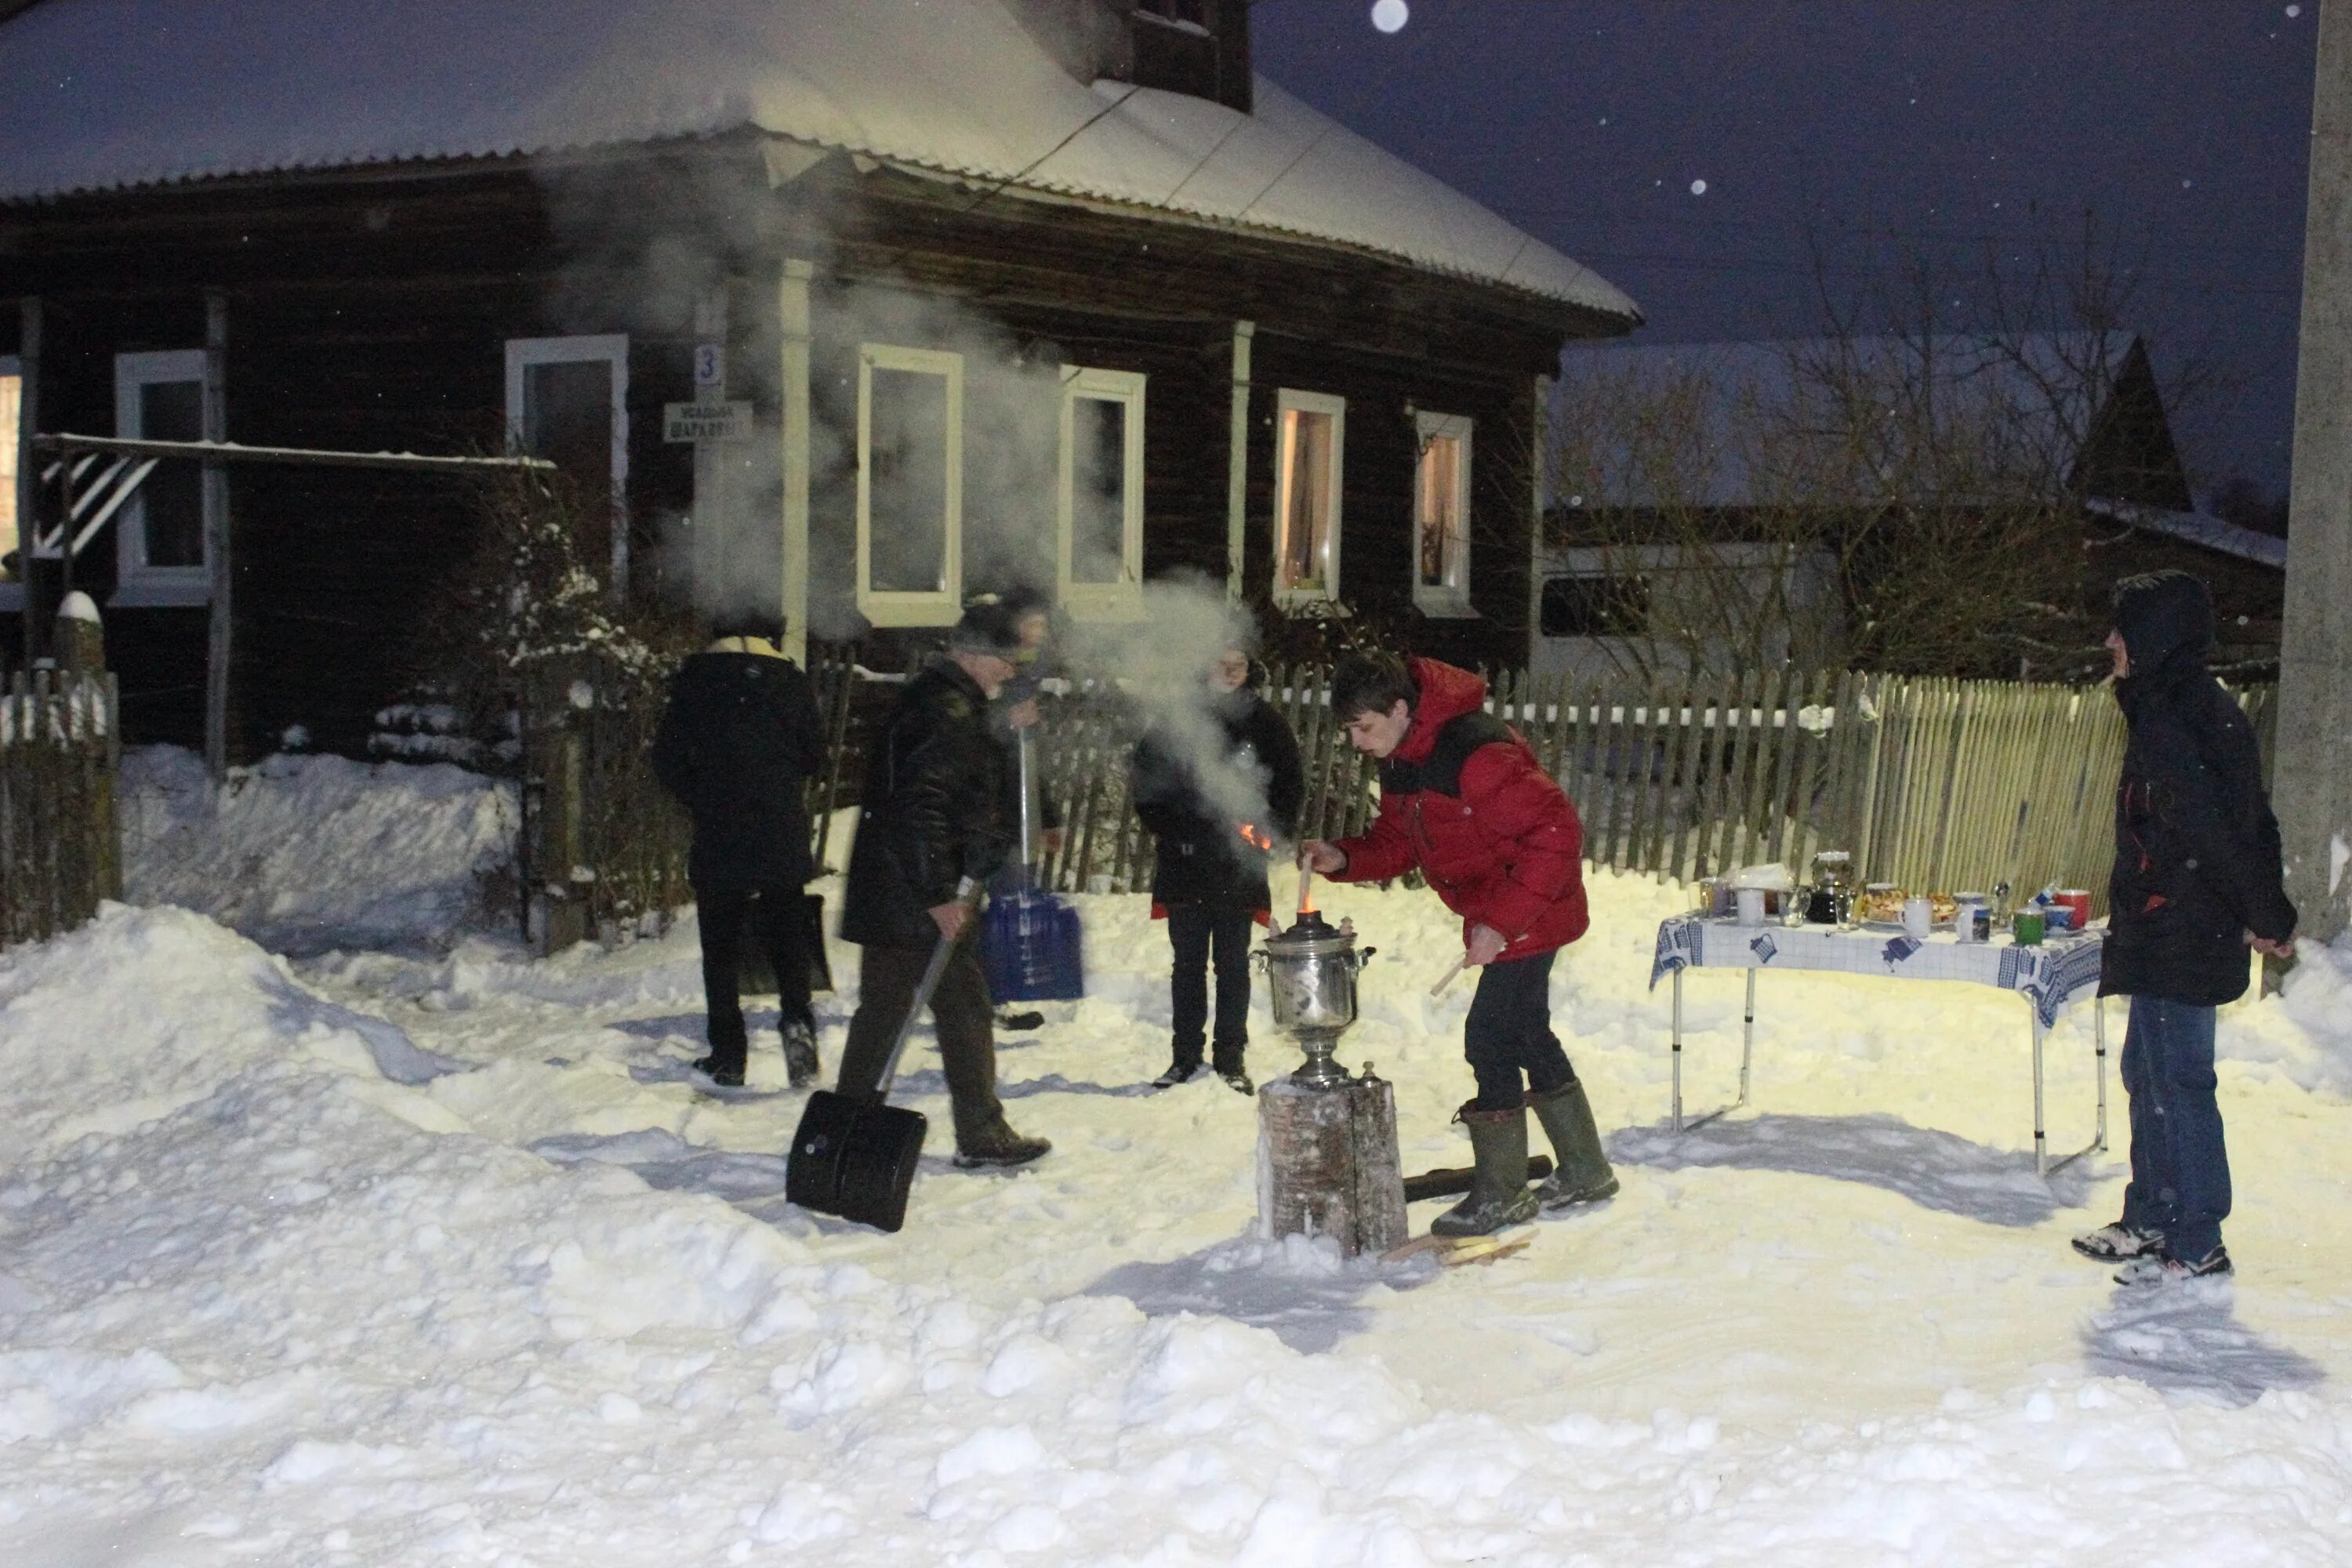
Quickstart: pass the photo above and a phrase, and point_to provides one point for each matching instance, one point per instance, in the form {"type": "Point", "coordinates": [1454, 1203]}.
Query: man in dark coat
{"type": "Point", "coordinates": [1463, 798]}
{"type": "Point", "coordinates": [738, 741]}
{"type": "Point", "coordinates": [1193, 778]}
{"type": "Point", "coordinates": [2197, 880]}
{"type": "Point", "coordinates": [932, 816]}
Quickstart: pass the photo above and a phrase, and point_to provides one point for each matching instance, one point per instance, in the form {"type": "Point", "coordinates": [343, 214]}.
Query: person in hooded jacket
{"type": "Point", "coordinates": [2197, 880]}
{"type": "Point", "coordinates": [931, 818]}
{"type": "Point", "coordinates": [1208, 879]}
{"type": "Point", "coordinates": [739, 740]}
{"type": "Point", "coordinates": [1463, 798]}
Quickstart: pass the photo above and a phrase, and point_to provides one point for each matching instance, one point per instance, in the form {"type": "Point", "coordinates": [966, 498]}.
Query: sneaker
{"type": "Point", "coordinates": [2119, 1242]}
{"type": "Point", "coordinates": [2160, 1268]}
{"type": "Point", "coordinates": [1237, 1080]}
{"type": "Point", "coordinates": [1015, 1023]}
{"type": "Point", "coordinates": [1177, 1072]}
{"type": "Point", "coordinates": [725, 1077]}
{"type": "Point", "coordinates": [800, 1054]}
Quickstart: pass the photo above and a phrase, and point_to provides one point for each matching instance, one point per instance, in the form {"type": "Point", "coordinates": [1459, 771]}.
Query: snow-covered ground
{"type": "Point", "coordinates": [417, 1256]}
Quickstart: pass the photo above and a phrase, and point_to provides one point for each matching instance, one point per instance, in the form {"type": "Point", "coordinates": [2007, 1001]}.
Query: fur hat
{"type": "Point", "coordinates": [987, 626]}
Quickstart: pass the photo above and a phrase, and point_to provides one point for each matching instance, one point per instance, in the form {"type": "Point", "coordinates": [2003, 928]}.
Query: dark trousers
{"type": "Point", "coordinates": [1196, 931]}
{"type": "Point", "coordinates": [959, 1006]}
{"type": "Point", "coordinates": [1509, 1033]}
{"type": "Point", "coordinates": [2179, 1167]}
{"type": "Point", "coordinates": [771, 916]}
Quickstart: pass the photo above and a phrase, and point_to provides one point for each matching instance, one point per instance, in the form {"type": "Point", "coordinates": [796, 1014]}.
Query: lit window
{"type": "Point", "coordinates": [160, 539]}
{"type": "Point", "coordinates": [567, 401]}
{"type": "Point", "coordinates": [1100, 548]}
{"type": "Point", "coordinates": [909, 486]}
{"type": "Point", "coordinates": [12, 388]}
{"type": "Point", "coordinates": [1441, 516]}
{"type": "Point", "coordinates": [1312, 436]}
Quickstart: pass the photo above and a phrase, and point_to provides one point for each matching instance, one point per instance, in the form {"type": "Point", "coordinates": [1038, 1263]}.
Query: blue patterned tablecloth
{"type": "Point", "coordinates": [2049, 976]}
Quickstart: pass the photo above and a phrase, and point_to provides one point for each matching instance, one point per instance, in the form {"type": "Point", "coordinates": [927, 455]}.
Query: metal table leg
{"type": "Point", "coordinates": [1678, 1050]}
{"type": "Point", "coordinates": [2040, 1143]}
{"type": "Point", "coordinates": [1748, 1039]}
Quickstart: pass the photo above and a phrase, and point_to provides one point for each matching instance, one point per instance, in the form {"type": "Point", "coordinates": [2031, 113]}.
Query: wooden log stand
{"type": "Point", "coordinates": [1328, 1163]}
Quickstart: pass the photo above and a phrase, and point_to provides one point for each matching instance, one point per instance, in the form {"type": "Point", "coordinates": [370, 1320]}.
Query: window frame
{"type": "Point", "coordinates": [137, 585]}
{"type": "Point", "coordinates": [1286, 401]}
{"type": "Point", "coordinates": [899, 607]}
{"type": "Point", "coordinates": [1449, 600]}
{"type": "Point", "coordinates": [12, 595]}
{"type": "Point", "coordinates": [1123, 600]}
{"type": "Point", "coordinates": [523, 353]}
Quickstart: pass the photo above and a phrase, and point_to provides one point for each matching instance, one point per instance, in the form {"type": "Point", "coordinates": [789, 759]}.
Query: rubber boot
{"type": "Point", "coordinates": [1499, 1195]}
{"type": "Point", "coordinates": [800, 1054]}
{"type": "Point", "coordinates": [1580, 1172]}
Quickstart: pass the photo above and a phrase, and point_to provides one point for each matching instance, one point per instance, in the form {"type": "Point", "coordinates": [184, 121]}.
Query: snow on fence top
{"type": "Point", "coordinates": [103, 94]}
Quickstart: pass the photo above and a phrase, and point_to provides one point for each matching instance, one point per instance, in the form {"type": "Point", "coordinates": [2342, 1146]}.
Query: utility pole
{"type": "Point", "coordinates": [2313, 778]}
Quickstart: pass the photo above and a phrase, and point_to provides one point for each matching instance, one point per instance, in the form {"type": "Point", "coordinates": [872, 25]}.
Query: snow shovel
{"type": "Point", "coordinates": [1032, 943]}
{"type": "Point", "coordinates": [855, 1158]}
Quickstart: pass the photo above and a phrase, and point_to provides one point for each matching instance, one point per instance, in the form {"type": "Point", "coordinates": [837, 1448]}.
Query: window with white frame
{"type": "Point", "coordinates": [567, 401]}
{"type": "Point", "coordinates": [12, 410]}
{"type": "Point", "coordinates": [160, 535]}
{"type": "Point", "coordinates": [1310, 438]}
{"type": "Point", "coordinates": [909, 486]}
{"type": "Point", "coordinates": [1100, 547]}
{"type": "Point", "coordinates": [1441, 515]}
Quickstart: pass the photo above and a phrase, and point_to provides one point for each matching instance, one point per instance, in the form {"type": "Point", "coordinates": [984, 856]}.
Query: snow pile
{"type": "Point", "coordinates": [391, 1259]}
{"type": "Point", "coordinates": [304, 854]}
{"type": "Point", "coordinates": [2306, 1032]}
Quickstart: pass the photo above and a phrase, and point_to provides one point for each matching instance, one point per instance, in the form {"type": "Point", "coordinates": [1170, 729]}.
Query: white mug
{"type": "Point", "coordinates": [1751, 906]}
{"type": "Point", "coordinates": [1918, 917]}
{"type": "Point", "coordinates": [1964, 921]}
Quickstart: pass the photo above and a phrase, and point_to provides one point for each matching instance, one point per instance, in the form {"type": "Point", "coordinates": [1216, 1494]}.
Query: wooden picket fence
{"type": "Point", "coordinates": [60, 847]}
{"type": "Point", "coordinates": [1930, 783]}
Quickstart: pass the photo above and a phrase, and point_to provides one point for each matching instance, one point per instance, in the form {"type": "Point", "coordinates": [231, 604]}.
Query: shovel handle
{"type": "Point", "coordinates": [1446, 979]}
{"type": "Point", "coordinates": [968, 895]}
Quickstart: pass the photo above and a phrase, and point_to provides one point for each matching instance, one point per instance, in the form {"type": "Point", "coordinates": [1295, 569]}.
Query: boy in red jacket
{"type": "Point", "coordinates": [1463, 797]}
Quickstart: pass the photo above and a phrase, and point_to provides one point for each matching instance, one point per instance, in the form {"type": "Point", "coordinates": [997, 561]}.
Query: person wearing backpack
{"type": "Point", "coordinates": [1463, 799]}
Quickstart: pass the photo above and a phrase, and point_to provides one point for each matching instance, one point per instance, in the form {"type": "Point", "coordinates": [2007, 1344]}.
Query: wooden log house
{"type": "Point", "coordinates": [1048, 288]}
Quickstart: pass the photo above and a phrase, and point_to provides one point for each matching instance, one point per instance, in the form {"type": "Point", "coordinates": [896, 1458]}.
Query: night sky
{"type": "Point", "coordinates": [1875, 132]}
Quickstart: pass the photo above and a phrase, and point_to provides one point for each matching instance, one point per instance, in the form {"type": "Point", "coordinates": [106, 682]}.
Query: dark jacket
{"type": "Point", "coordinates": [1201, 857]}
{"type": "Point", "coordinates": [738, 741]}
{"type": "Point", "coordinates": [932, 810]}
{"type": "Point", "coordinates": [1463, 798]}
{"type": "Point", "coordinates": [2197, 849]}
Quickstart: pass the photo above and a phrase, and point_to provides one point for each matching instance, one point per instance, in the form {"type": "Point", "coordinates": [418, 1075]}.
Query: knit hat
{"type": "Point", "coordinates": [987, 626]}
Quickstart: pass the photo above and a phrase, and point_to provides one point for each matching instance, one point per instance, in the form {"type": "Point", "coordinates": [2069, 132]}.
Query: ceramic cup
{"type": "Point", "coordinates": [2026, 927]}
{"type": "Point", "coordinates": [1964, 922]}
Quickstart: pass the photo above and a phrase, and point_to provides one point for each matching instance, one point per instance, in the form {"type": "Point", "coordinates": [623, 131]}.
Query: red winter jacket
{"type": "Point", "coordinates": [1501, 843]}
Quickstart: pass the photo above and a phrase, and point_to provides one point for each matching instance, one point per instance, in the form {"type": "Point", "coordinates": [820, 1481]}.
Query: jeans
{"type": "Point", "coordinates": [1509, 1033]}
{"type": "Point", "coordinates": [1195, 931]}
{"type": "Point", "coordinates": [2179, 1167]}
{"type": "Point", "coordinates": [773, 917]}
{"type": "Point", "coordinates": [959, 1006]}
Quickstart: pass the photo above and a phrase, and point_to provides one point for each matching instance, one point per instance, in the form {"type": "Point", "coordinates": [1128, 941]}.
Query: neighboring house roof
{"type": "Point", "coordinates": [2198, 528]}
{"type": "Point", "coordinates": [2044, 392]}
{"type": "Point", "coordinates": [101, 95]}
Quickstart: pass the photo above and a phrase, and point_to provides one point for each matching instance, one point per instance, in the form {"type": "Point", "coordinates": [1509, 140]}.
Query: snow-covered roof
{"type": "Point", "coordinates": [2198, 528]}
{"type": "Point", "coordinates": [1738, 407]}
{"type": "Point", "coordinates": [102, 94]}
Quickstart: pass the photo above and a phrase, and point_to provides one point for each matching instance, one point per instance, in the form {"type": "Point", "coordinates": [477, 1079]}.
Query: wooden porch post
{"type": "Point", "coordinates": [1237, 461]}
{"type": "Point", "coordinates": [793, 308]}
{"type": "Point", "coordinates": [28, 474]}
{"type": "Point", "coordinates": [218, 632]}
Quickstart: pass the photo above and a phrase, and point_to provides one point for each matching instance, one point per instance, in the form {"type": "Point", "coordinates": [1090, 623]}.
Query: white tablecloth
{"type": "Point", "coordinates": [2049, 976]}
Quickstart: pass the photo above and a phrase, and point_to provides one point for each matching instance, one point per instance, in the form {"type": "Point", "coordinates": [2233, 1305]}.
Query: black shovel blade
{"type": "Point", "coordinates": [855, 1159]}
